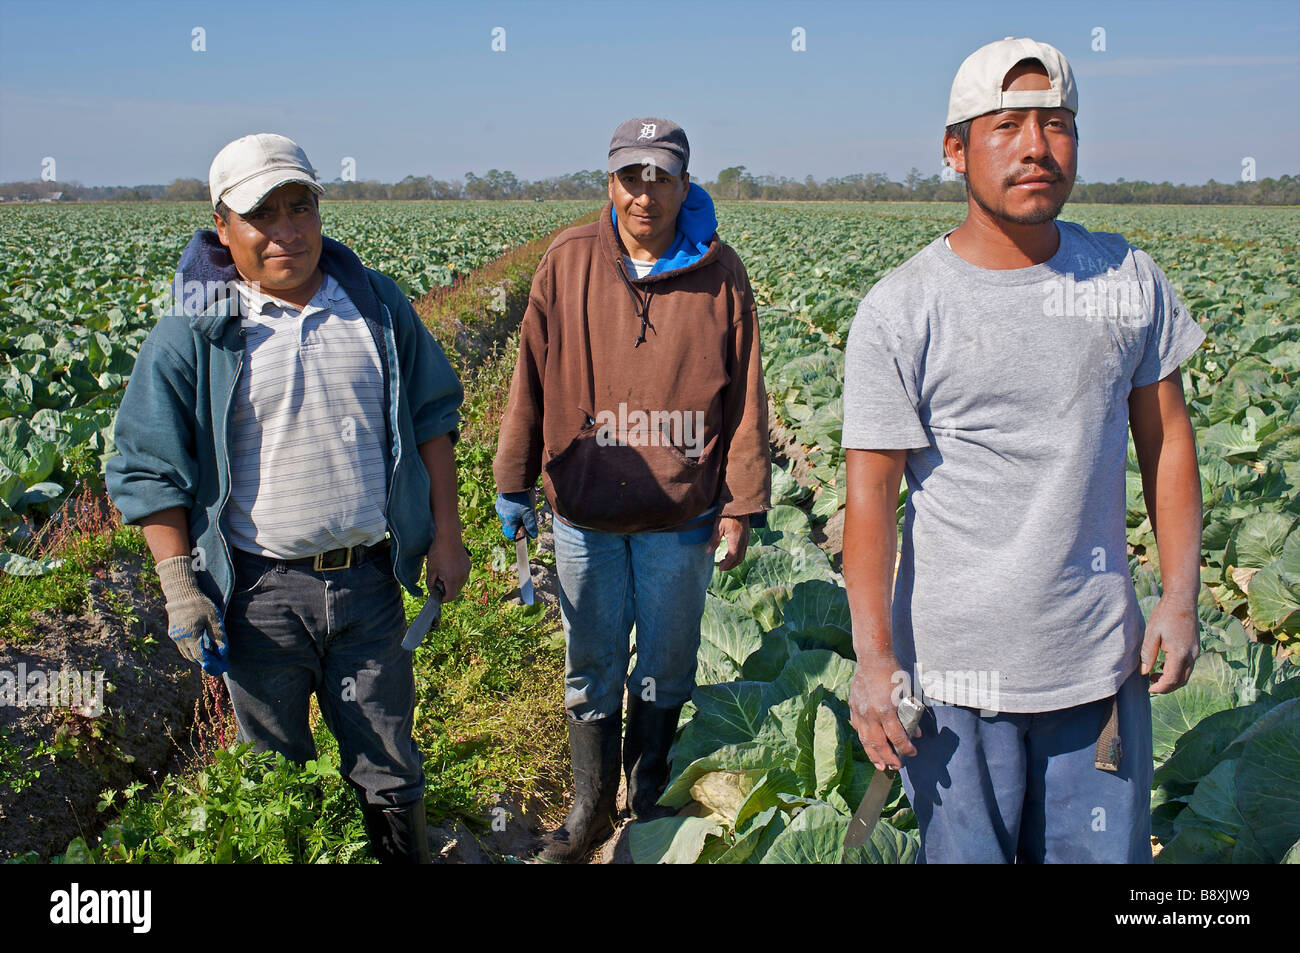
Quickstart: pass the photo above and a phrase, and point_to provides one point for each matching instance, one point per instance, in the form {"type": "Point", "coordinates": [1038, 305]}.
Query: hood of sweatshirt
{"type": "Point", "coordinates": [697, 226]}
{"type": "Point", "coordinates": [207, 261]}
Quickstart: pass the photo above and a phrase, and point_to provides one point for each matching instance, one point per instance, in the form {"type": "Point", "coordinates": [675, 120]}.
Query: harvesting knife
{"type": "Point", "coordinates": [873, 802]}
{"type": "Point", "coordinates": [525, 571]}
{"type": "Point", "coordinates": [429, 617]}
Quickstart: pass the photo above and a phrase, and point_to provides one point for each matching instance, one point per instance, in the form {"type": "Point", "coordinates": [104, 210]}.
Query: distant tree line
{"type": "Point", "coordinates": [731, 183]}
{"type": "Point", "coordinates": [494, 185]}
{"type": "Point", "coordinates": [736, 183]}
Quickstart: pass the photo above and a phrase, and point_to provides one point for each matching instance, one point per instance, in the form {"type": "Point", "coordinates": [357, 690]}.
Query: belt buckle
{"type": "Point", "coordinates": [318, 563]}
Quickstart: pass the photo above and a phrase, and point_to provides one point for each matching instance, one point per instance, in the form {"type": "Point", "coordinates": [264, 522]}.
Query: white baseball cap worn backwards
{"type": "Point", "coordinates": [977, 88]}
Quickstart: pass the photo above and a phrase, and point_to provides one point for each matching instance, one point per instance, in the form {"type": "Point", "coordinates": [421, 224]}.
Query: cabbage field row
{"type": "Point", "coordinates": [84, 284]}
{"type": "Point", "coordinates": [767, 752]}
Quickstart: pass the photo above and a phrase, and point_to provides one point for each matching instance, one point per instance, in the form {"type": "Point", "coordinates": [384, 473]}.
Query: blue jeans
{"type": "Point", "coordinates": [608, 582]}
{"type": "Point", "coordinates": [1024, 787]}
{"type": "Point", "coordinates": [337, 634]}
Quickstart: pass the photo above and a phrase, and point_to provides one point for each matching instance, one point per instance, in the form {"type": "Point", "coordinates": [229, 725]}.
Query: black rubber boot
{"type": "Point", "coordinates": [593, 749]}
{"type": "Point", "coordinates": [398, 835]}
{"type": "Point", "coordinates": [650, 732]}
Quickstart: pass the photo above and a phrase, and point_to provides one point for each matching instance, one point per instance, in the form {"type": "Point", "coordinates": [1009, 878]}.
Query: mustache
{"type": "Point", "coordinates": [1053, 172]}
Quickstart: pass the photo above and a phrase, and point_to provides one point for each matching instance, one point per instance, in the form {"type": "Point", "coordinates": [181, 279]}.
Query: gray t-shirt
{"type": "Point", "coordinates": [1010, 390]}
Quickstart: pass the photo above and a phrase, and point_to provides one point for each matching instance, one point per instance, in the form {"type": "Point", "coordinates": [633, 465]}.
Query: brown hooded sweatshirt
{"type": "Point", "coordinates": [641, 402]}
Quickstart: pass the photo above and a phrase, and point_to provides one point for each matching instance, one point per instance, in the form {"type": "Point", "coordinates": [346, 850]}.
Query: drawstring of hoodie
{"type": "Point", "coordinates": [642, 305]}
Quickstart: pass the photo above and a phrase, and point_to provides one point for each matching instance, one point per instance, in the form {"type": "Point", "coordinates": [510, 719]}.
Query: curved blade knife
{"type": "Point", "coordinates": [428, 618]}
{"type": "Point", "coordinates": [873, 802]}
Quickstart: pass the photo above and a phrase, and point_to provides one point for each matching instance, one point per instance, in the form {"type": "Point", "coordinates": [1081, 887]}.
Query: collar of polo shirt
{"type": "Point", "coordinates": [256, 302]}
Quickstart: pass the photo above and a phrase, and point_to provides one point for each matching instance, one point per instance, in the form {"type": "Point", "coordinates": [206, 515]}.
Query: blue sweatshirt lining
{"type": "Point", "coordinates": [696, 225]}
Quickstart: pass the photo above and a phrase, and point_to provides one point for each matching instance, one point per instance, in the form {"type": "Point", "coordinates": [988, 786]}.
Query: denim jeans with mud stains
{"type": "Point", "coordinates": [336, 634]}
{"type": "Point", "coordinates": [610, 581]}
{"type": "Point", "coordinates": [1024, 787]}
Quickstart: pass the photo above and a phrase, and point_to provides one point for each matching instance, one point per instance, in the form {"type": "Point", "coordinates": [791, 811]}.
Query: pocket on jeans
{"type": "Point", "coordinates": [375, 578]}
{"type": "Point", "coordinates": [380, 565]}
{"type": "Point", "coordinates": [248, 579]}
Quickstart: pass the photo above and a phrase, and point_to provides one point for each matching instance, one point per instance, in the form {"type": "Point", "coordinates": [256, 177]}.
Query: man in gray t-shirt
{"type": "Point", "coordinates": [1001, 368]}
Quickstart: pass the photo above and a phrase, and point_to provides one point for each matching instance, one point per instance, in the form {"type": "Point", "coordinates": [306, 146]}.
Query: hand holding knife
{"type": "Point", "coordinates": [430, 614]}
{"type": "Point", "coordinates": [873, 802]}
{"type": "Point", "coordinates": [518, 523]}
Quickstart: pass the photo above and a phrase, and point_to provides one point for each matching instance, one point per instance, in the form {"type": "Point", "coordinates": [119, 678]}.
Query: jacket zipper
{"type": "Point", "coordinates": [390, 347]}
{"type": "Point", "coordinates": [221, 510]}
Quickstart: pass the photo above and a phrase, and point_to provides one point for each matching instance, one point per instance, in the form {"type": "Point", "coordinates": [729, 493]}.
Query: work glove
{"type": "Point", "coordinates": [516, 512]}
{"type": "Point", "coordinates": [193, 622]}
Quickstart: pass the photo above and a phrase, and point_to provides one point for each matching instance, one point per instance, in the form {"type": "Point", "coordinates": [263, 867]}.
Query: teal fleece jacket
{"type": "Point", "coordinates": [172, 430]}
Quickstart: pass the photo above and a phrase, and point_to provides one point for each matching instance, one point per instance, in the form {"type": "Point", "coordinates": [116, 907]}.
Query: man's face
{"type": "Point", "coordinates": [1021, 163]}
{"type": "Point", "coordinates": [646, 201]}
{"type": "Point", "coordinates": [278, 243]}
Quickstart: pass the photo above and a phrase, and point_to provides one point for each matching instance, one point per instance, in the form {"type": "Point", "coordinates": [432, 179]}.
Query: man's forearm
{"type": "Point", "coordinates": [747, 467]}
{"type": "Point", "coordinates": [518, 459]}
{"type": "Point", "coordinates": [439, 458]}
{"type": "Point", "coordinates": [870, 544]}
{"type": "Point", "coordinates": [167, 533]}
{"type": "Point", "coordinates": [1174, 494]}
{"type": "Point", "coordinates": [1171, 482]}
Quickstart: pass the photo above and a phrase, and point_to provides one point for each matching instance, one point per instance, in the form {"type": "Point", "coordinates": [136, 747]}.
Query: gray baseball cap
{"type": "Point", "coordinates": [651, 141]}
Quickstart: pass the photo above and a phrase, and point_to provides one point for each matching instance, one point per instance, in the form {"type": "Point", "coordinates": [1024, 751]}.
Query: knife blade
{"type": "Point", "coordinates": [428, 618]}
{"type": "Point", "coordinates": [873, 802]}
{"type": "Point", "coordinates": [524, 570]}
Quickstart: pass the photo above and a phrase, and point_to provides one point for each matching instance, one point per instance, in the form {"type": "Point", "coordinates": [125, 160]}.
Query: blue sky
{"type": "Point", "coordinates": [116, 95]}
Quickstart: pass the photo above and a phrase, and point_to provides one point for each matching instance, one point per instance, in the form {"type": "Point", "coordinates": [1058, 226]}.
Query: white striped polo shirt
{"type": "Point", "coordinates": [306, 428]}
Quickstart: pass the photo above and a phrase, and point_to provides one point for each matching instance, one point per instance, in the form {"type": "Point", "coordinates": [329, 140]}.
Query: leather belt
{"type": "Point", "coordinates": [344, 558]}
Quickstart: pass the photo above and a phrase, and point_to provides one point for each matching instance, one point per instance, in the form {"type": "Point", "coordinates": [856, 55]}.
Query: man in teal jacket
{"type": "Point", "coordinates": [286, 443]}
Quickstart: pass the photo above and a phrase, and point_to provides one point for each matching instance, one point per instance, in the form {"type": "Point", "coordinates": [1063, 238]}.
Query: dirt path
{"type": "Point", "coordinates": [150, 694]}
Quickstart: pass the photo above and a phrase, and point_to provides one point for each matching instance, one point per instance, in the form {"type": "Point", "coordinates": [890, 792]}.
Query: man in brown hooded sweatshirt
{"type": "Point", "coordinates": [638, 398]}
